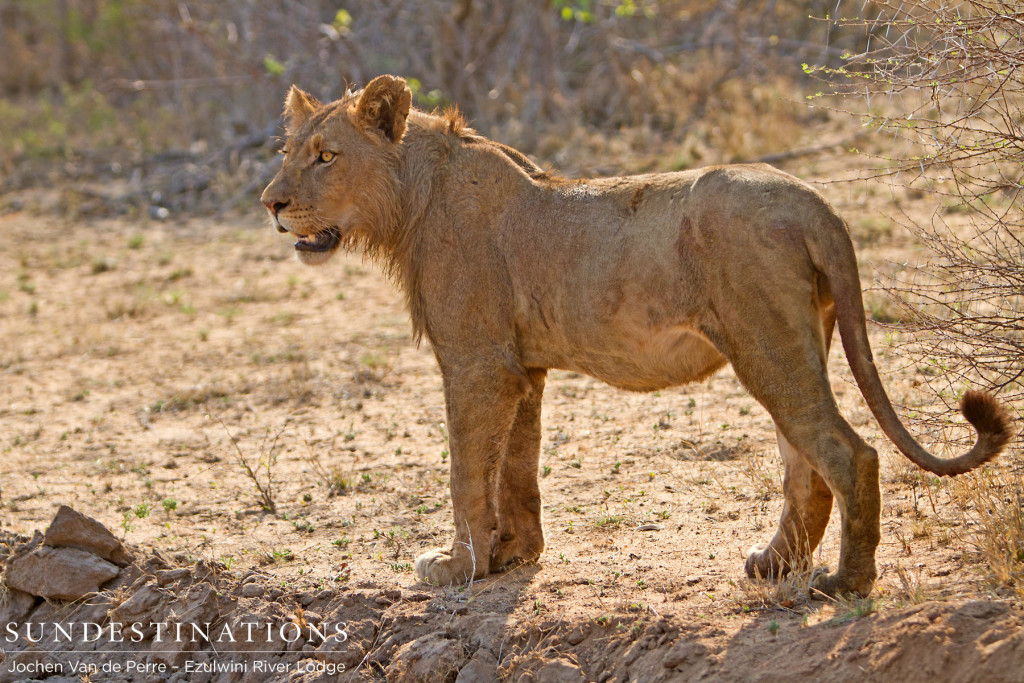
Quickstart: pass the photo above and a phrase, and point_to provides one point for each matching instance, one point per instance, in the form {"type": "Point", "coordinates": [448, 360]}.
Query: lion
{"type": "Point", "coordinates": [644, 282]}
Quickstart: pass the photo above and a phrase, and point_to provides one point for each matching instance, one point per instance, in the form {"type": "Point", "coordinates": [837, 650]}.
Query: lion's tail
{"type": "Point", "coordinates": [832, 254]}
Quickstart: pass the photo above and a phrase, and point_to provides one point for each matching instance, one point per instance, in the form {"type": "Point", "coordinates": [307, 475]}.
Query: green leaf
{"type": "Point", "coordinates": [342, 20]}
{"type": "Point", "coordinates": [273, 67]}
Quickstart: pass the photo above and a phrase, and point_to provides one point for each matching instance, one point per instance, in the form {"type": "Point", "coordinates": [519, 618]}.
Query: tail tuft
{"type": "Point", "coordinates": [990, 418]}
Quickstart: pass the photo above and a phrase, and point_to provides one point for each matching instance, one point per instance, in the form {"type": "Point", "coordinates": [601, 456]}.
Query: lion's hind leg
{"type": "Point", "coordinates": [805, 513]}
{"type": "Point", "coordinates": [807, 502]}
{"type": "Point", "coordinates": [800, 401]}
{"type": "Point", "coordinates": [782, 362]}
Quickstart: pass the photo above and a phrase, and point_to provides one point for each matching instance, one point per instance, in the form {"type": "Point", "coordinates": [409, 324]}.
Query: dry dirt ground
{"type": "Point", "coordinates": [157, 375]}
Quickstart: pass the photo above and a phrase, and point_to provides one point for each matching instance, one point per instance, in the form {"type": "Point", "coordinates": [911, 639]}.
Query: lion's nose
{"type": "Point", "coordinates": [275, 207]}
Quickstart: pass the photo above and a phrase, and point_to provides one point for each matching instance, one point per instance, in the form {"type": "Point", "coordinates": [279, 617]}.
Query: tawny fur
{"type": "Point", "coordinates": [644, 282]}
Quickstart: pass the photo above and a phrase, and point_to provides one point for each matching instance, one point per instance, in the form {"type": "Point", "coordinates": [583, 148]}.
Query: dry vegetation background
{"type": "Point", "coordinates": [166, 366]}
{"type": "Point", "coordinates": [138, 90]}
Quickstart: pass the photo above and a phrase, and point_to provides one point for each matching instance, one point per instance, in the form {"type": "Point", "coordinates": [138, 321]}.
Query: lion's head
{"type": "Point", "coordinates": [337, 185]}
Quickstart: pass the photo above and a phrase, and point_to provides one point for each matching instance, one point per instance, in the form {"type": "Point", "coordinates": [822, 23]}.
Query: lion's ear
{"type": "Point", "coordinates": [298, 105]}
{"type": "Point", "coordinates": [384, 106]}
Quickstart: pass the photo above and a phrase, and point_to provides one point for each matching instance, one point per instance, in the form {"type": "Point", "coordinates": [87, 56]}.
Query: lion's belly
{"type": "Point", "coordinates": [642, 360]}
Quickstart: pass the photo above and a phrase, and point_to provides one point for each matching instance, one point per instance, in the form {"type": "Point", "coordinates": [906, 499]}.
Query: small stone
{"type": "Point", "coordinates": [576, 636]}
{"type": "Point", "coordinates": [325, 595]}
{"type": "Point", "coordinates": [59, 573]}
{"type": "Point", "coordinates": [252, 590]}
{"type": "Point", "coordinates": [171, 575]}
{"type": "Point", "coordinates": [275, 593]}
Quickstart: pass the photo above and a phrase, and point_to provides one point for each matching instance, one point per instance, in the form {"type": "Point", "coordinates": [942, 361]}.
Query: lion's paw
{"type": "Point", "coordinates": [440, 568]}
{"type": "Point", "coordinates": [762, 562]}
{"type": "Point", "coordinates": [824, 584]}
{"type": "Point", "coordinates": [519, 551]}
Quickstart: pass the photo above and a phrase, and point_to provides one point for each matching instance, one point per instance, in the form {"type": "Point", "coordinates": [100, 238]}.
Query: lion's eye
{"type": "Point", "coordinates": [326, 157]}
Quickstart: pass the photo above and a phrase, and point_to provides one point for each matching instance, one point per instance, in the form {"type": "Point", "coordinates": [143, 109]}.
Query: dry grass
{"type": "Point", "coordinates": [791, 592]}
{"type": "Point", "coordinates": [911, 587]}
{"type": "Point", "coordinates": [765, 474]}
{"type": "Point", "coordinates": [992, 503]}
{"type": "Point", "coordinates": [262, 473]}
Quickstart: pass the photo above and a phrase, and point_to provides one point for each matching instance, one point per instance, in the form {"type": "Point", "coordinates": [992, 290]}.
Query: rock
{"type": "Point", "coordinates": [14, 605]}
{"type": "Point", "coordinates": [576, 635]}
{"type": "Point", "coordinates": [560, 671]}
{"type": "Point", "coordinates": [480, 630]}
{"type": "Point", "coordinates": [141, 608]}
{"type": "Point", "coordinates": [251, 590]}
{"type": "Point", "coordinates": [681, 651]}
{"type": "Point", "coordinates": [169, 576]}
{"type": "Point", "coordinates": [45, 612]}
{"type": "Point", "coordinates": [94, 609]}
{"type": "Point", "coordinates": [191, 612]}
{"type": "Point", "coordinates": [59, 573]}
{"type": "Point", "coordinates": [22, 548]}
{"type": "Point", "coordinates": [482, 668]}
{"type": "Point", "coordinates": [72, 529]}
{"type": "Point", "coordinates": [335, 650]}
{"type": "Point", "coordinates": [430, 658]}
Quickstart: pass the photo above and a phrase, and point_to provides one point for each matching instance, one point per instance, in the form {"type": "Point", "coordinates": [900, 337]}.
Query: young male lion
{"type": "Point", "coordinates": [644, 282]}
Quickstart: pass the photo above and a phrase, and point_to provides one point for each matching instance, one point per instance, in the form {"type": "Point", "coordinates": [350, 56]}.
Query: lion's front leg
{"type": "Point", "coordinates": [520, 535]}
{"type": "Point", "coordinates": [481, 405]}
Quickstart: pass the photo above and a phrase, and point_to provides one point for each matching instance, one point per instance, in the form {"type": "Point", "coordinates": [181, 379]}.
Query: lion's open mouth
{"type": "Point", "coordinates": [325, 240]}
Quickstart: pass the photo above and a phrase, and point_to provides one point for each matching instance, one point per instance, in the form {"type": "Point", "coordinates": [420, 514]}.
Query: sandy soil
{"type": "Point", "coordinates": [142, 362]}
